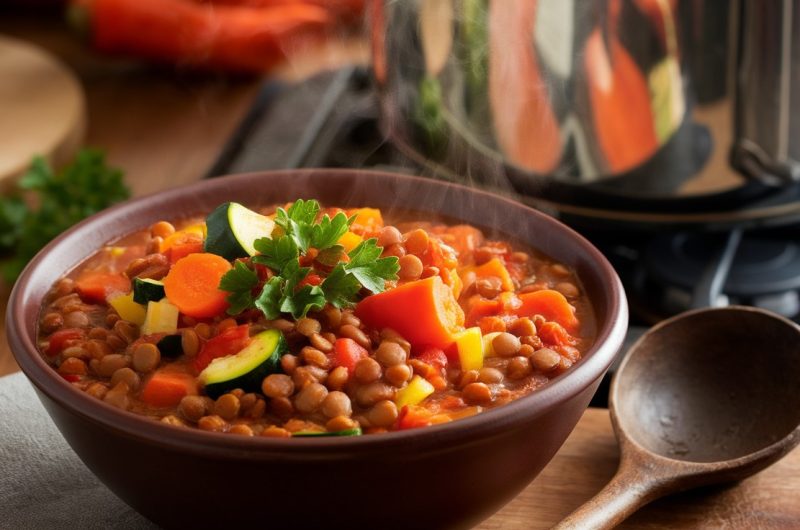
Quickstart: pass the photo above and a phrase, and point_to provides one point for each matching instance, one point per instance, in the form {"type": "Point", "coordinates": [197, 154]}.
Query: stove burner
{"type": "Point", "coordinates": [684, 270]}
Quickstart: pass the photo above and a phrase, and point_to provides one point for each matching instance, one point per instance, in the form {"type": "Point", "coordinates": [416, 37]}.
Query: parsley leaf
{"type": "Point", "coordinates": [239, 282]}
{"type": "Point", "coordinates": [288, 291]}
{"type": "Point", "coordinates": [327, 232]}
{"type": "Point", "coordinates": [340, 288]}
{"type": "Point", "coordinates": [298, 222]}
{"type": "Point", "coordinates": [276, 253]}
{"type": "Point", "coordinates": [63, 198]}
{"type": "Point", "coordinates": [269, 301]}
{"type": "Point", "coordinates": [299, 303]}
{"type": "Point", "coordinates": [370, 270]}
{"type": "Point", "coordinates": [331, 256]}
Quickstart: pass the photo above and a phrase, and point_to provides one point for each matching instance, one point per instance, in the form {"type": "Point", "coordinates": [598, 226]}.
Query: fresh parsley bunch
{"type": "Point", "coordinates": [298, 233]}
{"type": "Point", "coordinates": [61, 199]}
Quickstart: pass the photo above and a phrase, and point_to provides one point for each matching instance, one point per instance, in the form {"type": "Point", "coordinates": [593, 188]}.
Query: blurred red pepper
{"type": "Point", "coordinates": [208, 35]}
{"type": "Point", "coordinates": [344, 10]}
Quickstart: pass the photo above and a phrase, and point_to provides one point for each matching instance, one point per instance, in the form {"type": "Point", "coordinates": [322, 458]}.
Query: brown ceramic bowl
{"type": "Point", "coordinates": [450, 475]}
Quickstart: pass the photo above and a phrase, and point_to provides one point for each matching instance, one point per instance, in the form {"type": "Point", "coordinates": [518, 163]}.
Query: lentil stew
{"type": "Point", "coordinates": [302, 321]}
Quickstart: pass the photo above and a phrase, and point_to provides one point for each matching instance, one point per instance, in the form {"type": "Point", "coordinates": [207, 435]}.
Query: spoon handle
{"type": "Point", "coordinates": [629, 490]}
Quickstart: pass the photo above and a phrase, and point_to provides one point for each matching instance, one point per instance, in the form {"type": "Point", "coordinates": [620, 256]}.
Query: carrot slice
{"type": "Point", "coordinates": [552, 305]}
{"type": "Point", "coordinates": [424, 312]}
{"type": "Point", "coordinates": [97, 286]}
{"type": "Point", "coordinates": [192, 285]}
{"type": "Point", "coordinates": [493, 267]}
{"type": "Point", "coordinates": [166, 389]}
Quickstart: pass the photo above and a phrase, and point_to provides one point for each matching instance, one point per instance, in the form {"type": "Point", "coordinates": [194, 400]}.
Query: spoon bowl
{"type": "Point", "coordinates": [708, 396]}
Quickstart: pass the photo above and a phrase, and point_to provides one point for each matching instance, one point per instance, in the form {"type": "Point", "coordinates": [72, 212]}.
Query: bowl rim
{"type": "Point", "coordinates": [492, 422]}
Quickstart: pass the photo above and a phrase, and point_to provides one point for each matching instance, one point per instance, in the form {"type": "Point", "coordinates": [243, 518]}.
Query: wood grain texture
{"type": "Point", "coordinates": [589, 458]}
{"type": "Point", "coordinates": [42, 109]}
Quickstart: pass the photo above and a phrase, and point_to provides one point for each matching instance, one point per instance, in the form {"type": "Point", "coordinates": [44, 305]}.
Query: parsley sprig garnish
{"type": "Point", "coordinates": [59, 200]}
{"type": "Point", "coordinates": [297, 232]}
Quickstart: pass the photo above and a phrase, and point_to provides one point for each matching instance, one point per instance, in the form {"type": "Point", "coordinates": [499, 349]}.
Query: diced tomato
{"type": "Point", "coordinates": [63, 339]}
{"type": "Point", "coordinates": [72, 378]}
{"type": "Point", "coordinates": [480, 307]}
{"type": "Point", "coordinates": [412, 416]}
{"type": "Point", "coordinates": [263, 271]}
{"type": "Point", "coordinates": [452, 402]}
{"type": "Point", "coordinates": [95, 287]}
{"type": "Point", "coordinates": [311, 279]}
{"type": "Point", "coordinates": [229, 342]}
{"type": "Point", "coordinates": [554, 334]}
{"type": "Point", "coordinates": [347, 352]}
{"type": "Point", "coordinates": [434, 357]}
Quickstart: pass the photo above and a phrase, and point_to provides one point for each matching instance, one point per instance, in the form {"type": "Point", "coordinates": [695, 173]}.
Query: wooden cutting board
{"type": "Point", "coordinates": [588, 459]}
{"type": "Point", "coordinates": [42, 108]}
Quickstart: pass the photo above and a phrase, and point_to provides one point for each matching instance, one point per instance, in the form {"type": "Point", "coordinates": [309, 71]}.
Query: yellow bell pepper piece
{"type": "Point", "coordinates": [470, 348]}
{"type": "Point", "coordinates": [350, 240]}
{"type": "Point", "coordinates": [488, 349]}
{"type": "Point", "coordinates": [161, 317]}
{"type": "Point", "coordinates": [127, 309]}
{"type": "Point", "coordinates": [368, 218]}
{"type": "Point", "coordinates": [416, 391]}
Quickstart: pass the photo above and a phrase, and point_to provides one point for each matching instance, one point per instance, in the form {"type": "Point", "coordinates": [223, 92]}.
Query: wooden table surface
{"type": "Point", "coordinates": [165, 129]}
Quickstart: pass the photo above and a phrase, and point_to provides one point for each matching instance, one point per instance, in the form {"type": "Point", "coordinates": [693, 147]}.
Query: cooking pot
{"type": "Point", "coordinates": [596, 107]}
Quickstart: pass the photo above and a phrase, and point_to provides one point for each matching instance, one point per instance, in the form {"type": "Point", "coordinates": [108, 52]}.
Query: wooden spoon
{"type": "Point", "coordinates": [709, 396]}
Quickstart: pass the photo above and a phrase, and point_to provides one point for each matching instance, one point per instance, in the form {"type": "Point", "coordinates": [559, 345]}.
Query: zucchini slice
{"type": "Point", "coordinates": [314, 434]}
{"type": "Point", "coordinates": [147, 290]}
{"type": "Point", "coordinates": [248, 368]}
{"type": "Point", "coordinates": [232, 229]}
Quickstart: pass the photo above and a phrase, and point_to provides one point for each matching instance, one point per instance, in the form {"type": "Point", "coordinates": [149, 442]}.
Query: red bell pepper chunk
{"type": "Point", "coordinates": [63, 339]}
{"type": "Point", "coordinates": [434, 357]}
{"type": "Point", "coordinates": [229, 342]}
{"type": "Point", "coordinates": [96, 287]}
{"type": "Point", "coordinates": [412, 416]}
{"type": "Point", "coordinates": [347, 352]}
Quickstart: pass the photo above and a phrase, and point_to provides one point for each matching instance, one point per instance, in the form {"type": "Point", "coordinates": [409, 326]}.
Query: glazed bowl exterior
{"type": "Point", "coordinates": [445, 476]}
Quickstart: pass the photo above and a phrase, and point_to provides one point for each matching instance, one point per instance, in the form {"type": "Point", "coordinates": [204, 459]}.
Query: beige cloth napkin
{"type": "Point", "coordinates": [43, 483]}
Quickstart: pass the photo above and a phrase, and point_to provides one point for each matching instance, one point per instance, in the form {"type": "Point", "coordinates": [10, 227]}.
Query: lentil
{"type": "Point", "coordinates": [477, 393]}
{"type": "Point", "coordinates": [212, 423]}
{"type": "Point", "coordinates": [410, 267]}
{"type": "Point", "coordinates": [130, 377]}
{"type": "Point", "coordinates": [336, 404]}
{"type": "Point", "coordinates": [227, 406]}
{"type": "Point", "coordinates": [310, 398]}
{"type": "Point", "coordinates": [308, 326]}
{"type": "Point", "coordinates": [367, 370]}
{"type": "Point", "coordinates": [398, 374]}
{"type": "Point", "coordinates": [545, 359]}
{"type": "Point", "coordinates": [193, 408]}
{"type": "Point", "coordinates": [146, 357]}
{"type": "Point", "coordinates": [390, 353]}
{"type": "Point", "coordinates": [506, 345]}
{"type": "Point", "coordinates": [337, 378]}
{"type": "Point", "coordinates": [382, 414]}
{"type": "Point", "coordinates": [352, 332]}
{"type": "Point", "coordinates": [277, 385]}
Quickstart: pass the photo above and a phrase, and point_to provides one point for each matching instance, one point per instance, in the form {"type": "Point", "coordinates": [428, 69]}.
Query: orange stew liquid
{"type": "Point", "coordinates": [467, 323]}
